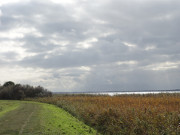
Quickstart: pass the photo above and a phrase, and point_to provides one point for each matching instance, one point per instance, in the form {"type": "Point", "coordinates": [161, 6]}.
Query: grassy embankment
{"type": "Point", "coordinates": [126, 114]}
{"type": "Point", "coordinates": [30, 118]}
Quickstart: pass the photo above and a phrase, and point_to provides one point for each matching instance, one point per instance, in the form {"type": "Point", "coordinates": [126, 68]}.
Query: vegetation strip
{"type": "Point", "coordinates": [6, 106]}
{"type": "Point", "coordinates": [10, 91]}
{"type": "Point", "coordinates": [12, 122]}
{"type": "Point", "coordinates": [151, 114]}
{"type": "Point", "coordinates": [58, 121]}
{"type": "Point", "coordinates": [32, 118]}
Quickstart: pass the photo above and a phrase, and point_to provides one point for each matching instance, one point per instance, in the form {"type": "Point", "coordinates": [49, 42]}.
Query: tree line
{"type": "Point", "coordinates": [10, 90]}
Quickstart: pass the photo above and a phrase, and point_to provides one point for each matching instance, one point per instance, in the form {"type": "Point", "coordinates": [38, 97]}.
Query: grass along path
{"type": "Point", "coordinates": [6, 106]}
{"type": "Point", "coordinates": [16, 122]}
{"type": "Point", "coordinates": [30, 118]}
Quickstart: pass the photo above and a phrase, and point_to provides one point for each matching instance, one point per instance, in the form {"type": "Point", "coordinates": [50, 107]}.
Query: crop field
{"type": "Point", "coordinates": [30, 118]}
{"type": "Point", "coordinates": [153, 114]}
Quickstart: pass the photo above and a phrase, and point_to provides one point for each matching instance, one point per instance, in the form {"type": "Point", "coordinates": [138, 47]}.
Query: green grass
{"type": "Point", "coordinates": [56, 120]}
{"type": "Point", "coordinates": [13, 122]}
{"type": "Point", "coordinates": [6, 106]}
{"type": "Point", "coordinates": [30, 118]}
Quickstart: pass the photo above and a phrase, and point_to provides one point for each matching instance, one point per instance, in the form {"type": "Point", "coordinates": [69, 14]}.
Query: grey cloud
{"type": "Point", "coordinates": [34, 44]}
{"type": "Point", "coordinates": [9, 55]}
{"type": "Point", "coordinates": [69, 59]}
{"type": "Point", "coordinates": [132, 80]}
{"type": "Point", "coordinates": [140, 23]}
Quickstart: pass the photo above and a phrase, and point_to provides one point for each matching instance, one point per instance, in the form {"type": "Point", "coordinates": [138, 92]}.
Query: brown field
{"type": "Point", "coordinates": [154, 114]}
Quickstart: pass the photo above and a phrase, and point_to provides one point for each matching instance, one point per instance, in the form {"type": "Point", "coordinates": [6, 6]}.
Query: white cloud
{"type": "Point", "coordinates": [129, 44]}
{"type": "Point", "coordinates": [20, 74]}
{"type": "Point", "coordinates": [86, 68]}
{"type": "Point", "coordinates": [3, 2]}
{"type": "Point", "coordinates": [87, 43]}
{"type": "Point", "coordinates": [126, 62]}
{"type": "Point", "coordinates": [58, 42]}
{"type": "Point", "coordinates": [150, 48]}
{"type": "Point", "coordinates": [14, 46]}
{"type": "Point", "coordinates": [64, 2]}
{"type": "Point", "coordinates": [162, 66]}
{"type": "Point", "coordinates": [20, 32]}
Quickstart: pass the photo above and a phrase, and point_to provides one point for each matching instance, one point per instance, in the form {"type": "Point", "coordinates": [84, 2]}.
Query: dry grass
{"type": "Point", "coordinates": [126, 114]}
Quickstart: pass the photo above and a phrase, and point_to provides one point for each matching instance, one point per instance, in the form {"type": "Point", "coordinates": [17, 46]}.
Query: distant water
{"type": "Point", "coordinates": [123, 92]}
{"type": "Point", "coordinates": [128, 93]}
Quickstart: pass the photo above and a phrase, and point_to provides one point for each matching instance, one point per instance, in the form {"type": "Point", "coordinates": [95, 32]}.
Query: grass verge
{"type": "Point", "coordinates": [57, 121]}
{"type": "Point", "coordinates": [32, 118]}
{"type": "Point", "coordinates": [6, 106]}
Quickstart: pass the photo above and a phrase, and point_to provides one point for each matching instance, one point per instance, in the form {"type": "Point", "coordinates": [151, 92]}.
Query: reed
{"type": "Point", "coordinates": [152, 114]}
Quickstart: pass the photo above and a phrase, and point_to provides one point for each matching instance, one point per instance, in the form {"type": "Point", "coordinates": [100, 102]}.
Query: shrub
{"type": "Point", "coordinates": [10, 90]}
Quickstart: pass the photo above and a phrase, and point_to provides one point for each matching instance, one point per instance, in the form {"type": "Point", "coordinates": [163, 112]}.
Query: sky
{"type": "Point", "coordinates": [91, 45]}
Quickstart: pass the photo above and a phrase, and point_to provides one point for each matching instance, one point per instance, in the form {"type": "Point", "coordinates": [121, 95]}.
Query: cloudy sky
{"type": "Point", "coordinates": [91, 45]}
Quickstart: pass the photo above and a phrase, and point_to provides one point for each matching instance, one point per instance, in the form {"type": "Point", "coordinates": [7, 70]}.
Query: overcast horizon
{"type": "Point", "coordinates": [81, 45]}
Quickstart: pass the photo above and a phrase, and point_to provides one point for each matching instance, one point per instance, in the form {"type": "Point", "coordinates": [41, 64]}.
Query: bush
{"type": "Point", "coordinates": [10, 90]}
